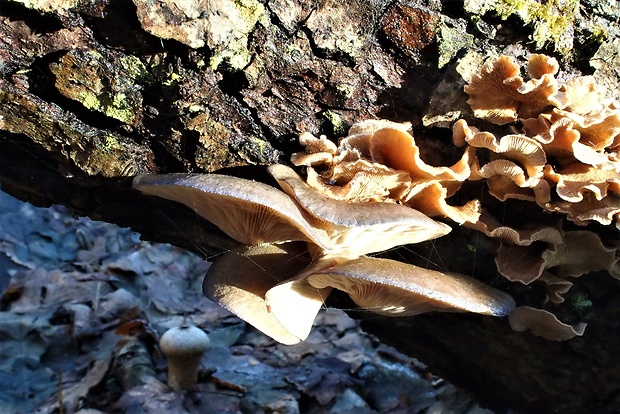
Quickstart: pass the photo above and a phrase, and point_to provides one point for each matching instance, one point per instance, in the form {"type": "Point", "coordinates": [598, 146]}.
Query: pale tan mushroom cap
{"type": "Point", "coordinates": [248, 211]}
{"type": "Point", "coordinates": [359, 228]}
{"type": "Point", "coordinates": [398, 150]}
{"type": "Point", "coordinates": [499, 95]}
{"type": "Point", "coordinates": [543, 323]}
{"type": "Point", "coordinates": [524, 255]}
{"type": "Point", "coordinates": [397, 289]}
{"type": "Point", "coordinates": [184, 347]}
{"type": "Point", "coordinates": [239, 280]}
{"type": "Point", "coordinates": [295, 305]}
{"type": "Point", "coordinates": [540, 65]}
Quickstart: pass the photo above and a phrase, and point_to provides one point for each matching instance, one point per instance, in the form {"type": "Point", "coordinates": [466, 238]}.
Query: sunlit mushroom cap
{"type": "Point", "coordinates": [360, 180]}
{"type": "Point", "coordinates": [493, 92]}
{"type": "Point", "coordinates": [239, 280]}
{"type": "Point", "coordinates": [248, 211]}
{"type": "Point", "coordinates": [430, 198]}
{"type": "Point", "coordinates": [359, 228]}
{"type": "Point", "coordinates": [398, 150]}
{"type": "Point", "coordinates": [399, 289]}
{"type": "Point", "coordinates": [499, 95]}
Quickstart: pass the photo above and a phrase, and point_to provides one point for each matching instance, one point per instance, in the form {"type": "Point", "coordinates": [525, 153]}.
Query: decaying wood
{"type": "Point", "coordinates": [92, 93]}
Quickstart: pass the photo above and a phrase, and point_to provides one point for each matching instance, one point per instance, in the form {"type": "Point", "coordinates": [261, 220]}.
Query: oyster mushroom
{"type": "Point", "coordinates": [184, 347]}
{"type": "Point", "coordinates": [358, 228]}
{"type": "Point", "coordinates": [543, 323]}
{"type": "Point", "coordinates": [248, 211]}
{"type": "Point", "coordinates": [281, 296]}
{"type": "Point", "coordinates": [239, 280]}
{"type": "Point", "coordinates": [394, 288]}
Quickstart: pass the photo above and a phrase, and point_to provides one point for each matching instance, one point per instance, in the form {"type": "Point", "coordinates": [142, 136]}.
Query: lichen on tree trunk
{"type": "Point", "coordinates": [92, 93]}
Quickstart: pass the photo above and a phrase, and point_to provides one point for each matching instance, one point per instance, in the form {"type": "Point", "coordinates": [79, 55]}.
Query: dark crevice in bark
{"type": "Point", "coordinates": [37, 22]}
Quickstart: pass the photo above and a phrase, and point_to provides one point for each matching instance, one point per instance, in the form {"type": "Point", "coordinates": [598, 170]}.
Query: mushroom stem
{"type": "Point", "coordinates": [184, 347]}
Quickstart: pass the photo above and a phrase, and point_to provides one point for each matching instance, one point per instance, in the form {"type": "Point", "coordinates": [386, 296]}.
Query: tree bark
{"type": "Point", "coordinates": [93, 93]}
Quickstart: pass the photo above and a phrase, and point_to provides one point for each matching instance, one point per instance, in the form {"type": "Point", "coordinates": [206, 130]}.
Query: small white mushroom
{"type": "Point", "coordinates": [248, 211]}
{"type": "Point", "coordinates": [183, 347]}
{"type": "Point", "coordinates": [393, 288]}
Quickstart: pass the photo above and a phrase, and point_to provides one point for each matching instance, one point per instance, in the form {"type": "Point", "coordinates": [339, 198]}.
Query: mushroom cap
{"type": "Point", "coordinates": [398, 289]}
{"type": "Point", "coordinates": [398, 150]}
{"type": "Point", "coordinates": [239, 280]}
{"type": "Point", "coordinates": [248, 211]}
{"type": "Point", "coordinates": [184, 341]}
{"type": "Point", "coordinates": [543, 323]}
{"type": "Point", "coordinates": [359, 227]}
{"type": "Point", "coordinates": [295, 304]}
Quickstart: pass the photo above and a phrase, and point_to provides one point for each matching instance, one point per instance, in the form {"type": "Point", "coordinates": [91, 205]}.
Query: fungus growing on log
{"type": "Point", "coordinates": [249, 212]}
{"type": "Point", "coordinates": [394, 288]}
{"type": "Point", "coordinates": [543, 323]}
{"type": "Point", "coordinates": [359, 228]}
{"type": "Point", "coordinates": [258, 283]}
{"type": "Point", "coordinates": [238, 281]}
{"type": "Point", "coordinates": [375, 191]}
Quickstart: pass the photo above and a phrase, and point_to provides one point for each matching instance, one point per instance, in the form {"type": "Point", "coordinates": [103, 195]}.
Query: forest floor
{"type": "Point", "coordinates": [83, 304]}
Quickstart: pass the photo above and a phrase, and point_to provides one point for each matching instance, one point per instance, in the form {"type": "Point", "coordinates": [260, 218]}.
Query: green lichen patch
{"type": "Point", "coordinates": [553, 21]}
{"type": "Point", "coordinates": [230, 29]}
{"type": "Point", "coordinates": [453, 38]}
{"type": "Point", "coordinates": [109, 83]}
{"type": "Point", "coordinates": [93, 151]}
{"type": "Point", "coordinates": [338, 124]}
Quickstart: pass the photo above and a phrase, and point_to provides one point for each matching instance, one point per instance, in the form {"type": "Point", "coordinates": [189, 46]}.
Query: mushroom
{"type": "Point", "coordinates": [248, 211]}
{"type": "Point", "coordinates": [238, 281]}
{"type": "Point", "coordinates": [398, 150]}
{"type": "Point", "coordinates": [360, 180]}
{"type": "Point", "coordinates": [393, 288]}
{"type": "Point", "coordinates": [279, 288]}
{"type": "Point", "coordinates": [543, 323]}
{"type": "Point", "coordinates": [358, 228]}
{"type": "Point", "coordinates": [499, 95]}
{"type": "Point", "coordinates": [183, 346]}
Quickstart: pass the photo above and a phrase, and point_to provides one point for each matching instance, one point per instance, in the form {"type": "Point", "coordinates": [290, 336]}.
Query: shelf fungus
{"type": "Point", "coordinates": [279, 278]}
{"type": "Point", "coordinates": [544, 324]}
{"type": "Point", "coordinates": [555, 149]}
{"type": "Point", "coordinates": [382, 161]}
{"type": "Point", "coordinates": [390, 287]}
{"type": "Point", "coordinates": [569, 138]}
{"type": "Point", "coordinates": [249, 212]}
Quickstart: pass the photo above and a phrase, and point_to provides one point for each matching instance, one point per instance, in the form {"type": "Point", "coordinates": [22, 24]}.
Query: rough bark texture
{"type": "Point", "coordinates": [94, 92]}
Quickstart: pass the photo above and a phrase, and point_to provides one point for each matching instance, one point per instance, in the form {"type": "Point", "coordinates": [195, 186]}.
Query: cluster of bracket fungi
{"type": "Point", "coordinates": [373, 192]}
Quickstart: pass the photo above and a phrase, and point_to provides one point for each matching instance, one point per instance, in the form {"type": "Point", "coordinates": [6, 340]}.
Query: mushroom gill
{"type": "Point", "coordinates": [248, 211]}
{"type": "Point", "coordinates": [360, 180]}
{"type": "Point", "coordinates": [239, 280]}
{"type": "Point", "coordinates": [499, 95]}
{"type": "Point", "coordinates": [574, 180]}
{"type": "Point", "coordinates": [394, 288]}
